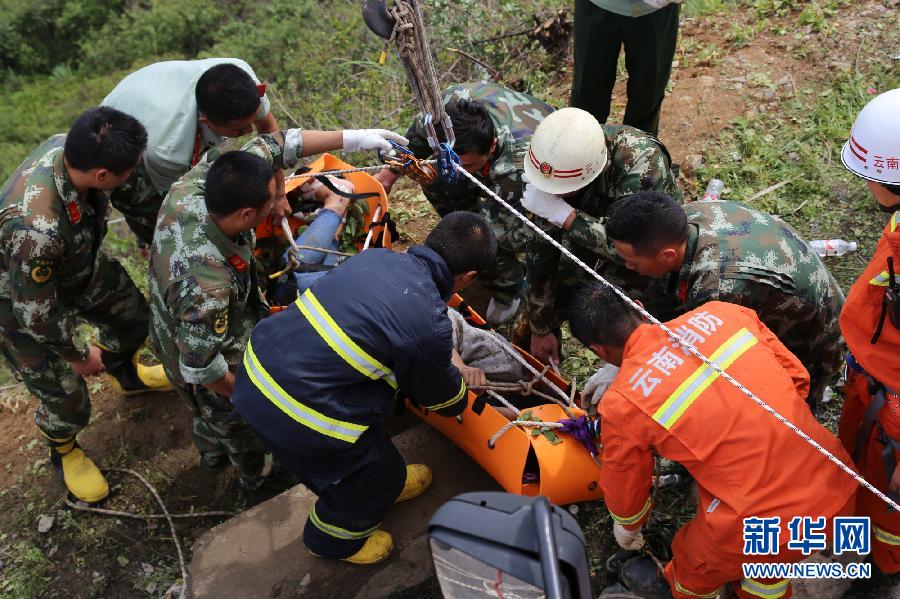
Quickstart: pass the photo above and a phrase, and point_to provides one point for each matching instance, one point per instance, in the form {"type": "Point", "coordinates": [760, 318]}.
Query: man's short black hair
{"type": "Point", "coordinates": [647, 221]}
{"type": "Point", "coordinates": [226, 93]}
{"type": "Point", "coordinates": [472, 126]}
{"type": "Point", "coordinates": [465, 241]}
{"type": "Point", "coordinates": [103, 137]}
{"type": "Point", "coordinates": [237, 180]}
{"type": "Point", "coordinates": [600, 316]}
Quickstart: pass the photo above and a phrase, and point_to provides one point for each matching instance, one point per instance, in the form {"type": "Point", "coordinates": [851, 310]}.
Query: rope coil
{"type": "Point", "coordinates": [415, 54]}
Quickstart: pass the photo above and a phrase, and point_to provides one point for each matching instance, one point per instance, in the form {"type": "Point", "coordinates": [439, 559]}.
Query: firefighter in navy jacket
{"type": "Point", "coordinates": [318, 377]}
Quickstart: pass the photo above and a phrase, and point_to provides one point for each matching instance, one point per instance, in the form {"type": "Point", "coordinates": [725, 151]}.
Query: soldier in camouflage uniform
{"type": "Point", "coordinates": [188, 107]}
{"type": "Point", "coordinates": [612, 162]}
{"type": "Point", "coordinates": [493, 125]}
{"type": "Point", "coordinates": [725, 251]}
{"type": "Point", "coordinates": [205, 296]}
{"type": "Point", "coordinates": [53, 214]}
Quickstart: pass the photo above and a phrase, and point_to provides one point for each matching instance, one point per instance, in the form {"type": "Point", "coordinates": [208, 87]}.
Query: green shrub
{"type": "Point", "coordinates": [155, 28]}
{"type": "Point", "coordinates": [37, 36]}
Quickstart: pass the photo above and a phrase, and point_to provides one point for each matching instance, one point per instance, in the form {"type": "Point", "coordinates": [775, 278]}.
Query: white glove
{"type": "Point", "coordinates": [661, 3]}
{"type": "Point", "coordinates": [497, 312]}
{"type": "Point", "coordinates": [371, 139]}
{"type": "Point", "coordinates": [628, 539]}
{"type": "Point", "coordinates": [308, 190]}
{"type": "Point", "coordinates": [596, 386]}
{"type": "Point", "coordinates": [546, 205]}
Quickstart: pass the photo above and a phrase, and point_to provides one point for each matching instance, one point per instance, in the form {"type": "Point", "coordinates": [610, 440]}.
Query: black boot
{"type": "Point", "coordinates": [615, 561]}
{"type": "Point", "coordinates": [642, 577]}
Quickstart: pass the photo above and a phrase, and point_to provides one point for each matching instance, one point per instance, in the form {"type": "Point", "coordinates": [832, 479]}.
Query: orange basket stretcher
{"type": "Point", "coordinates": [377, 206]}
{"type": "Point", "coordinates": [520, 461]}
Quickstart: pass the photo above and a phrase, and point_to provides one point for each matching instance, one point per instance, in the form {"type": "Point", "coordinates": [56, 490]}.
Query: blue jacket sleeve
{"type": "Point", "coordinates": [426, 375]}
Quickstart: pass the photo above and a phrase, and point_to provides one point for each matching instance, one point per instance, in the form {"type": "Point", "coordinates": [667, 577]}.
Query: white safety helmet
{"type": "Point", "coordinates": [567, 151]}
{"type": "Point", "coordinates": [873, 150]}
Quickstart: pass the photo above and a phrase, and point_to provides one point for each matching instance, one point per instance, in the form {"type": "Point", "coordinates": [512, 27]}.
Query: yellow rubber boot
{"type": "Point", "coordinates": [130, 377]}
{"type": "Point", "coordinates": [377, 548]}
{"type": "Point", "coordinates": [418, 479]}
{"type": "Point", "coordinates": [81, 476]}
{"type": "Point", "coordinates": [153, 376]}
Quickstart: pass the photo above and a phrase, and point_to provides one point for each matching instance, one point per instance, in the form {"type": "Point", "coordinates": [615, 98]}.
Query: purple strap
{"type": "Point", "coordinates": [579, 428]}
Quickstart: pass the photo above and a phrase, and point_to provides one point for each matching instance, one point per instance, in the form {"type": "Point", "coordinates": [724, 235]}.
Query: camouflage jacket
{"type": "Point", "coordinates": [739, 255]}
{"type": "Point", "coordinates": [49, 241]}
{"type": "Point", "coordinates": [637, 161]}
{"type": "Point", "coordinates": [515, 116]}
{"type": "Point", "coordinates": [204, 293]}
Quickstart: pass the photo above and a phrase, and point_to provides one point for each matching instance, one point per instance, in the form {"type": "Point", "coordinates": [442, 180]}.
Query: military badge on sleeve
{"type": "Point", "coordinates": [41, 271]}
{"type": "Point", "coordinates": [221, 322]}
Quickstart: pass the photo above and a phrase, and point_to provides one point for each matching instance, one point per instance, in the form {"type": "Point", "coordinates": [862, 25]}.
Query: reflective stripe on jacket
{"type": "Point", "coordinates": [667, 402]}
{"type": "Point", "coordinates": [332, 362]}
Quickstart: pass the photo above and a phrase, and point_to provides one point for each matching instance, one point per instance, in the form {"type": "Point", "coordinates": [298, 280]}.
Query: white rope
{"type": "Point", "coordinates": [375, 218]}
{"type": "Point", "coordinates": [508, 348]}
{"type": "Point", "coordinates": [504, 401]}
{"type": "Point", "coordinates": [532, 423]}
{"type": "Point", "coordinates": [359, 169]}
{"type": "Point", "coordinates": [677, 339]}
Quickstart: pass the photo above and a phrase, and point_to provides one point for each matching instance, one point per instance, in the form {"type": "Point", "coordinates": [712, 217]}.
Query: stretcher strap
{"type": "Point", "coordinates": [675, 338]}
{"type": "Point", "coordinates": [889, 459]}
{"type": "Point", "coordinates": [868, 421]}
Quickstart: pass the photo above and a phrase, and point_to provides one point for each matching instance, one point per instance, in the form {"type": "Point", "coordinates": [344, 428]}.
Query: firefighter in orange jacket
{"type": "Point", "coordinates": [666, 402]}
{"type": "Point", "coordinates": [870, 323]}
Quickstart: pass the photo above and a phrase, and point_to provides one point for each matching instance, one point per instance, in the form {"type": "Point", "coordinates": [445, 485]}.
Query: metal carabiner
{"type": "Point", "coordinates": [443, 152]}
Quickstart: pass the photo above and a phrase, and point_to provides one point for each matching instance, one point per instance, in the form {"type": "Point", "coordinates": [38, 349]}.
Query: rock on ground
{"type": "Point", "coordinates": [259, 552]}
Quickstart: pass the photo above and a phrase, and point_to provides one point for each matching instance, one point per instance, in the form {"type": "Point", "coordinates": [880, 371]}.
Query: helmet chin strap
{"type": "Point", "coordinates": [889, 209]}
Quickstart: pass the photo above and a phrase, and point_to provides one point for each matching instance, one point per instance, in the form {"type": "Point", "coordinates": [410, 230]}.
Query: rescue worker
{"type": "Point", "coordinates": [718, 250]}
{"type": "Point", "coordinates": [667, 402]}
{"type": "Point", "coordinates": [493, 125]}
{"type": "Point", "coordinates": [53, 214]}
{"type": "Point", "coordinates": [648, 29]}
{"type": "Point", "coordinates": [204, 292]}
{"type": "Point", "coordinates": [188, 107]}
{"type": "Point", "coordinates": [318, 378]}
{"type": "Point", "coordinates": [870, 322]}
{"type": "Point", "coordinates": [577, 168]}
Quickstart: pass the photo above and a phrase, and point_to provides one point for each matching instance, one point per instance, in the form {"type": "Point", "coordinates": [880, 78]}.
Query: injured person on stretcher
{"type": "Point", "coordinates": [478, 353]}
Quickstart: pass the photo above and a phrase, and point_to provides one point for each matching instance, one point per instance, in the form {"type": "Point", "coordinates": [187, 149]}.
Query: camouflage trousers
{"type": "Point", "coordinates": [116, 307]}
{"type": "Point", "coordinates": [139, 202]}
{"type": "Point", "coordinates": [504, 279]}
{"type": "Point", "coordinates": [810, 332]}
{"type": "Point", "coordinates": [219, 431]}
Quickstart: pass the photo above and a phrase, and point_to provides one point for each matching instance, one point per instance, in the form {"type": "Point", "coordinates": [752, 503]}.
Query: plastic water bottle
{"type": "Point", "coordinates": [832, 247]}
{"type": "Point", "coordinates": [714, 189]}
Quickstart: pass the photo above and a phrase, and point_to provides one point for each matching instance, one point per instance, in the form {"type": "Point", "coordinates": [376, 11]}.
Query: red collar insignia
{"type": "Point", "coordinates": [682, 291]}
{"type": "Point", "coordinates": [237, 263]}
{"type": "Point", "coordinates": [74, 213]}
